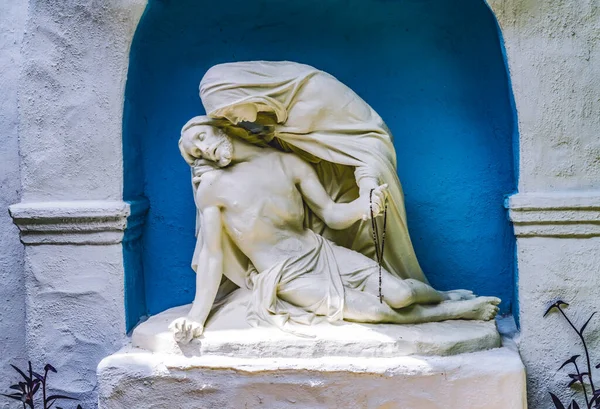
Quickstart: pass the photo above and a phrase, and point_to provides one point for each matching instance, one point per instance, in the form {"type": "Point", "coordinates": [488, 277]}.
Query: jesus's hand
{"type": "Point", "coordinates": [185, 329]}
{"type": "Point", "coordinates": [375, 200]}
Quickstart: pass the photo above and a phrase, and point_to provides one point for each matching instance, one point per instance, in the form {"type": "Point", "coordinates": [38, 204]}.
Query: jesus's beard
{"type": "Point", "coordinates": [225, 152]}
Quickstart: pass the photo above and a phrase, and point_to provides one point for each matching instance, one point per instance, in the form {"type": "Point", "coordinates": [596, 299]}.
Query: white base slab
{"type": "Point", "coordinates": [133, 378]}
{"type": "Point", "coordinates": [228, 334]}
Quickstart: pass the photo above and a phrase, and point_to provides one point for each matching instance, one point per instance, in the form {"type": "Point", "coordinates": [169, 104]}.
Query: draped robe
{"type": "Point", "coordinates": [322, 120]}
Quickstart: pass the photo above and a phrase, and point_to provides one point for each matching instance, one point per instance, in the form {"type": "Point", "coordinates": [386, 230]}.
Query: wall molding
{"type": "Point", "coordinates": [137, 218]}
{"type": "Point", "coordinates": [568, 214]}
{"type": "Point", "coordinates": [71, 222]}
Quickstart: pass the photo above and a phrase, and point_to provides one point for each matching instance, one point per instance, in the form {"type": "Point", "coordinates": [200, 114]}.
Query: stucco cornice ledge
{"type": "Point", "coordinates": [557, 214]}
{"type": "Point", "coordinates": [71, 222]}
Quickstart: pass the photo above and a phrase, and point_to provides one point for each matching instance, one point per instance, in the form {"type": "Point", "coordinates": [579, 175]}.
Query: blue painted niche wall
{"type": "Point", "coordinates": [433, 69]}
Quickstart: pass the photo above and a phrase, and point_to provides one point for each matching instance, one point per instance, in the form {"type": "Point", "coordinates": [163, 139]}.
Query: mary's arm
{"type": "Point", "coordinates": [366, 179]}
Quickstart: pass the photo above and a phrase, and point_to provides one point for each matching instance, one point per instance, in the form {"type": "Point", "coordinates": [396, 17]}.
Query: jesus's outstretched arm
{"type": "Point", "coordinates": [208, 277]}
{"type": "Point", "coordinates": [336, 215]}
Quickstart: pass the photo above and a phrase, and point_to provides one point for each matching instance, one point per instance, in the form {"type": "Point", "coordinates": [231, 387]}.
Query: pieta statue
{"type": "Point", "coordinates": [292, 173]}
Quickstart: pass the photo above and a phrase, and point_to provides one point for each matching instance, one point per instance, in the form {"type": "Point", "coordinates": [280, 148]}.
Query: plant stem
{"type": "Point", "coordinates": [30, 387]}
{"type": "Point", "coordinates": [587, 356]}
{"type": "Point", "coordinates": [44, 388]}
{"type": "Point", "coordinates": [587, 401]}
{"type": "Point", "coordinates": [585, 348]}
{"type": "Point", "coordinates": [589, 365]}
{"type": "Point", "coordinates": [31, 401]}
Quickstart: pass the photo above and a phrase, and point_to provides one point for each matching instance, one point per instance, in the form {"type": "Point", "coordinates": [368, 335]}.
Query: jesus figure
{"type": "Point", "coordinates": [254, 202]}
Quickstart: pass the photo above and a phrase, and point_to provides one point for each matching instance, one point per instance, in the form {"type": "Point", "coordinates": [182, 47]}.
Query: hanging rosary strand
{"type": "Point", "coordinates": [378, 248]}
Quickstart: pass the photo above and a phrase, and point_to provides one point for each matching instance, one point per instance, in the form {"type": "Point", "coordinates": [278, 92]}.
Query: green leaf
{"type": "Point", "coordinates": [586, 323]}
{"type": "Point", "coordinates": [557, 403]}
{"type": "Point", "coordinates": [571, 360]}
{"type": "Point", "coordinates": [54, 397]}
{"type": "Point", "coordinates": [22, 373]}
{"type": "Point", "coordinates": [15, 396]}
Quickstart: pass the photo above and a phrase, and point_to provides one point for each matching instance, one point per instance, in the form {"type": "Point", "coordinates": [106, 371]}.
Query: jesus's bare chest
{"type": "Point", "coordinates": [260, 191]}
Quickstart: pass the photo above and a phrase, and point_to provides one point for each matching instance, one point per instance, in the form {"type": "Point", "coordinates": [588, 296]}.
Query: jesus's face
{"type": "Point", "coordinates": [208, 142]}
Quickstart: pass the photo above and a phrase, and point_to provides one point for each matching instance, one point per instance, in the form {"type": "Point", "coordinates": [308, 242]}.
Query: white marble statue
{"type": "Point", "coordinates": [309, 112]}
{"type": "Point", "coordinates": [283, 167]}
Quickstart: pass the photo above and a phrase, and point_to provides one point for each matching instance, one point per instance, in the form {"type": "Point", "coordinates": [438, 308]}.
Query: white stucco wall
{"type": "Point", "coordinates": [12, 300]}
{"type": "Point", "coordinates": [553, 49]}
{"type": "Point", "coordinates": [75, 63]}
{"type": "Point", "coordinates": [72, 65]}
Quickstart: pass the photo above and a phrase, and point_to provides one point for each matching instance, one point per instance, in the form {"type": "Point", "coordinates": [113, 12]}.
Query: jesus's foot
{"type": "Point", "coordinates": [457, 295]}
{"type": "Point", "coordinates": [480, 308]}
{"type": "Point", "coordinates": [184, 329]}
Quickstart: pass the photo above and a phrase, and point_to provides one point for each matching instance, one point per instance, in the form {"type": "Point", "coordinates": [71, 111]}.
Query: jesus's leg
{"type": "Point", "coordinates": [360, 272]}
{"type": "Point", "coordinates": [399, 293]}
{"type": "Point", "coordinates": [364, 307]}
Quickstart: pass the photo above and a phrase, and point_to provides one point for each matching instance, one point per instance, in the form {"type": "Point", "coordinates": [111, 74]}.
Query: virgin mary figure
{"type": "Point", "coordinates": [300, 109]}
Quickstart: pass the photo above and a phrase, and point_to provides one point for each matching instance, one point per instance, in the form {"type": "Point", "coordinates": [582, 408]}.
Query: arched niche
{"type": "Point", "coordinates": [433, 69]}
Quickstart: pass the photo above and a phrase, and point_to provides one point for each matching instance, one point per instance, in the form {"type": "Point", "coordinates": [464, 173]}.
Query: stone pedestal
{"type": "Point", "coordinates": [228, 334]}
{"type": "Point", "coordinates": [133, 378]}
{"type": "Point", "coordinates": [334, 366]}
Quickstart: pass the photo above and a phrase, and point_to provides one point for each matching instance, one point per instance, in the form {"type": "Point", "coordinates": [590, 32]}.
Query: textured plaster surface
{"type": "Point", "coordinates": [75, 311]}
{"type": "Point", "coordinates": [492, 379]}
{"type": "Point", "coordinates": [553, 49]}
{"type": "Point", "coordinates": [75, 58]}
{"type": "Point", "coordinates": [74, 222]}
{"type": "Point", "coordinates": [553, 268]}
{"type": "Point", "coordinates": [12, 305]}
{"type": "Point", "coordinates": [556, 214]}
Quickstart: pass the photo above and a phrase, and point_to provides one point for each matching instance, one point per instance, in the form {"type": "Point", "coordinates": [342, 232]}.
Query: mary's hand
{"type": "Point", "coordinates": [200, 167]}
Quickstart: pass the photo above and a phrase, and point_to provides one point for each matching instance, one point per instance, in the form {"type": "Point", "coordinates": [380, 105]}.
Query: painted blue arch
{"type": "Point", "coordinates": [433, 69]}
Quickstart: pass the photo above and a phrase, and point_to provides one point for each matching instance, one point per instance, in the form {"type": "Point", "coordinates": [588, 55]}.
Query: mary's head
{"type": "Point", "coordinates": [241, 91]}
{"type": "Point", "coordinates": [237, 113]}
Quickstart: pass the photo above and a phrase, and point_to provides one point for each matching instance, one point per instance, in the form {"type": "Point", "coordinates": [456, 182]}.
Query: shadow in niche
{"type": "Point", "coordinates": [434, 71]}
